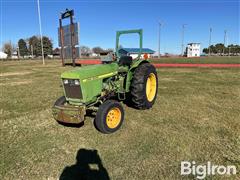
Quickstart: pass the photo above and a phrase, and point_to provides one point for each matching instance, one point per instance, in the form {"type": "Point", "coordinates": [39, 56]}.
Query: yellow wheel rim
{"type": "Point", "coordinates": [113, 118]}
{"type": "Point", "coordinates": [151, 87]}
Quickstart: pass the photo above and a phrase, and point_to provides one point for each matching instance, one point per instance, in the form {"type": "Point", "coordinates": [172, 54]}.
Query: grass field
{"type": "Point", "coordinates": [202, 60]}
{"type": "Point", "coordinates": [196, 118]}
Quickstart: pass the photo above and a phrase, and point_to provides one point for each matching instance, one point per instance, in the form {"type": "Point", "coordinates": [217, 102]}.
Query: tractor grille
{"type": "Point", "coordinates": [72, 90]}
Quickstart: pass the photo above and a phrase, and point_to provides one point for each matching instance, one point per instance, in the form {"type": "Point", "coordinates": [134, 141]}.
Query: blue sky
{"type": "Point", "coordinates": [99, 21]}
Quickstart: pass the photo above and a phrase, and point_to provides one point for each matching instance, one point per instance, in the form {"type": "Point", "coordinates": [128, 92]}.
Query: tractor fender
{"type": "Point", "coordinates": [131, 71]}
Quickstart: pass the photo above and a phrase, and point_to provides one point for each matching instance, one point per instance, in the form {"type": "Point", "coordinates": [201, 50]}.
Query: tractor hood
{"type": "Point", "coordinates": [91, 72]}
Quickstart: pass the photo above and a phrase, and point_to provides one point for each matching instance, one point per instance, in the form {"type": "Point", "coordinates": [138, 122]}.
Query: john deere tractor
{"type": "Point", "coordinates": [101, 88]}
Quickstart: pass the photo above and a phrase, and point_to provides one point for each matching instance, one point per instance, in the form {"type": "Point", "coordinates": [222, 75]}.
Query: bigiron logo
{"type": "Point", "coordinates": [209, 169]}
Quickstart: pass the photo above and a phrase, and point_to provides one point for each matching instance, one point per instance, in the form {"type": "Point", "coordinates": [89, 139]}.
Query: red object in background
{"type": "Point", "coordinates": [89, 61]}
{"type": "Point", "coordinates": [145, 56]}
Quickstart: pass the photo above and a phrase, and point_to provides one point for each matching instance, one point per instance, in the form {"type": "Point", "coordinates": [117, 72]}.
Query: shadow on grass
{"type": "Point", "coordinates": [71, 124]}
{"type": "Point", "coordinates": [88, 166]}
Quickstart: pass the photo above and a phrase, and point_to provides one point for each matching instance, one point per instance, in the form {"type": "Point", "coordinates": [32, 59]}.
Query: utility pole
{"type": "Point", "coordinates": [224, 41]}
{"type": "Point", "coordinates": [210, 42]}
{"type": "Point", "coordinates": [40, 28]}
{"type": "Point", "coordinates": [18, 52]}
{"type": "Point", "coordinates": [159, 38]}
{"type": "Point", "coordinates": [183, 28]}
{"type": "Point", "coordinates": [32, 50]}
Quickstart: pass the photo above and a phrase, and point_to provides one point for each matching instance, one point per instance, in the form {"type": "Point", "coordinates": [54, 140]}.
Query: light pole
{"type": "Point", "coordinates": [224, 41]}
{"type": "Point", "coordinates": [210, 39]}
{"type": "Point", "coordinates": [40, 28]}
{"type": "Point", "coordinates": [183, 28]}
{"type": "Point", "coordinates": [159, 38]}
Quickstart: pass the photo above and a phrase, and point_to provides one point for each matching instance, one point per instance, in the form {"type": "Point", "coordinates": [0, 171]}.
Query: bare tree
{"type": "Point", "coordinates": [97, 50]}
{"type": "Point", "coordinates": [85, 51]}
{"type": "Point", "coordinates": [110, 50]}
{"type": "Point", "coordinates": [8, 48]}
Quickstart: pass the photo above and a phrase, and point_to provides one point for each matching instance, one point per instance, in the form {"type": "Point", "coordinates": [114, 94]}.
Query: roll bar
{"type": "Point", "coordinates": [119, 33]}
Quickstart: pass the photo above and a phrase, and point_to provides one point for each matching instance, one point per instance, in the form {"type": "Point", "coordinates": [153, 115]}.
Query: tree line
{"type": "Point", "coordinates": [30, 47]}
{"type": "Point", "coordinates": [221, 49]}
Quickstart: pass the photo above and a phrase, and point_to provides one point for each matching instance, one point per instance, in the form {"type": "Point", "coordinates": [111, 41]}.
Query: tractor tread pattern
{"type": "Point", "coordinates": [138, 86]}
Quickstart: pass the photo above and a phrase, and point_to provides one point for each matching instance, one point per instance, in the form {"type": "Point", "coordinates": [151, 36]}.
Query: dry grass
{"type": "Point", "coordinates": [16, 83]}
{"type": "Point", "coordinates": [14, 73]}
{"type": "Point", "coordinates": [196, 117]}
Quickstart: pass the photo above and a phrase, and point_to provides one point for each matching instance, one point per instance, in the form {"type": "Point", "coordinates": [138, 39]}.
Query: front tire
{"type": "Point", "coordinates": [144, 86]}
{"type": "Point", "coordinates": [109, 117]}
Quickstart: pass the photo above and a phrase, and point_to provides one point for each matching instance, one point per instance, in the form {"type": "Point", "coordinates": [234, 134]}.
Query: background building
{"type": "Point", "coordinates": [193, 50]}
{"type": "Point", "coordinates": [3, 55]}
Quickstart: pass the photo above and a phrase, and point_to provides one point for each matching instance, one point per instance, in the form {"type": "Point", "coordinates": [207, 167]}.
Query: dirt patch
{"type": "Point", "coordinates": [15, 73]}
{"type": "Point", "coordinates": [16, 83]}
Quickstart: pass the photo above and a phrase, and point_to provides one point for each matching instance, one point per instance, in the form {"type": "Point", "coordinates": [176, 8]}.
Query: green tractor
{"type": "Point", "coordinates": [100, 88]}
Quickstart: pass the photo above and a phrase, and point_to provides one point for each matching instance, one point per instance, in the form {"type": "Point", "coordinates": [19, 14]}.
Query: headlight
{"type": "Point", "coordinates": [65, 81]}
{"type": "Point", "coordinates": [76, 82]}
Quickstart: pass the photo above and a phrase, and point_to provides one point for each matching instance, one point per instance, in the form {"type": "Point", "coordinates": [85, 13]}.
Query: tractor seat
{"type": "Point", "coordinates": [125, 61]}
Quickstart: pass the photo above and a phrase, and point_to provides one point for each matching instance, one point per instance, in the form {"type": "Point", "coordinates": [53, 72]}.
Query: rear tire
{"type": "Point", "coordinates": [109, 117]}
{"type": "Point", "coordinates": [144, 86]}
